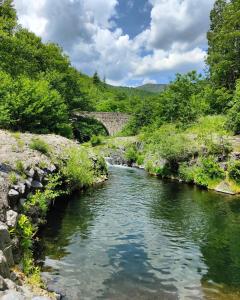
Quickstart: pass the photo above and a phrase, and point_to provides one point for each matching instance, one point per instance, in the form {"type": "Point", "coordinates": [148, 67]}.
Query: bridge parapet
{"type": "Point", "coordinates": [114, 122]}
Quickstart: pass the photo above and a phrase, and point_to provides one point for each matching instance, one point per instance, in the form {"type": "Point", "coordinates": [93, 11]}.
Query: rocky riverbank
{"type": "Point", "coordinates": [30, 171]}
{"type": "Point", "coordinates": [130, 152]}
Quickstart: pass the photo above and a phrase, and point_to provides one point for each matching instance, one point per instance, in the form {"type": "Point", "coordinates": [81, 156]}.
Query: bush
{"type": "Point", "coordinates": [13, 178]}
{"type": "Point", "coordinates": [131, 154]}
{"type": "Point", "coordinates": [186, 172]}
{"type": "Point", "coordinates": [211, 133]}
{"type": "Point", "coordinates": [39, 145]}
{"type": "Point", "coordinates": [43, 199]}
{"type": "Point", "coordinates": [170, 143]}
{"type": "Point", "coordinates": [209, 172]}
{"type": "Point", "coordinates": [234, 171]}
{"type": "Point", "coordinates": [233, 122]}
{"type": "Point", "coordinates": [96, 140]}
{"type": "Point", "coordinates": [140, 159]}
{"type": "Point", "coordinates": [79, 168]}
{"type": "Point", "coordinates": [20, 167]}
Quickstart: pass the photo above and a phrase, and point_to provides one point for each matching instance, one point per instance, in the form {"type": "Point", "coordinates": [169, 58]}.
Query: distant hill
{"type": "Point", "coordinates": [130, 91]}
{"type": "Point", "coordinates": [152, 88]}
{"type": "Point", "coordinates": [143, 91]}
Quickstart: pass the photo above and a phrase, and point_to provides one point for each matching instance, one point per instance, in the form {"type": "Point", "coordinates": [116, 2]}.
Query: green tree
{"type": "Point", "coordinates": [8, 16]}
{"type": "Point", "coordinates": [234, 112]}
{"type": "Point", "coordinates": [96, 78]}
{"type": "Point", "coordinates": [30, 105]}
{"type": "Point", "coordinates": [224, 44]}
{"type": "Point", "coordinates": [178, 103]}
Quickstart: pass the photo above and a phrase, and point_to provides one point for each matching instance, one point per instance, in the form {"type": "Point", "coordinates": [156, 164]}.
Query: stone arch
{"type": "Point", "coordinates": [112, 121]}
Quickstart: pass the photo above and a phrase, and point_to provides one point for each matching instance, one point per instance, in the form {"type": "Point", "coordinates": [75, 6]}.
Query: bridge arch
{"type": "Point", "coordinates": [114, 122]}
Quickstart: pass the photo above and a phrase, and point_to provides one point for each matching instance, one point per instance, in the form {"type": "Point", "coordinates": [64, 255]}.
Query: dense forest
{"type": "Point", "coordinates": [39, 88]}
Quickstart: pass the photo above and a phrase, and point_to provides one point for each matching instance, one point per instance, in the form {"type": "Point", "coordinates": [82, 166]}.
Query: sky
{"type": "Point", "coordinates": [129, 42]}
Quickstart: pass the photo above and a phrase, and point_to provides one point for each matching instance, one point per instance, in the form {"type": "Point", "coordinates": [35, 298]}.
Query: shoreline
{"type": "Point", "coordinates": [31, 180]}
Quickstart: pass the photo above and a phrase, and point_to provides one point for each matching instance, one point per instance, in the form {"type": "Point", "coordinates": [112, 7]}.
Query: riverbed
{"type": "Point", "coordinates": [138, 237]}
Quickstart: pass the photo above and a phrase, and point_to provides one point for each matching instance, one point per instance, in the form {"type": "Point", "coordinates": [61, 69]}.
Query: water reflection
{"type": "Point", "coordinates": [137, 237]}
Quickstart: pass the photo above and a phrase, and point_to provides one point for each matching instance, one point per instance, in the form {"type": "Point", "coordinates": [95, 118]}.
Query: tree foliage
{"type": "Point", "coordinates": [224, 44]}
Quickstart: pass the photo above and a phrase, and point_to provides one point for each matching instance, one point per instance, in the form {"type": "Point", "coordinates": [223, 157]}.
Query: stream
{"type": "Point", "coordinates": [138, 237]}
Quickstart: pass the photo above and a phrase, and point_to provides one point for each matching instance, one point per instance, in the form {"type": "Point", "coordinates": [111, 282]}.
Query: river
{"type": "Point", "coordinates": [137, 237]}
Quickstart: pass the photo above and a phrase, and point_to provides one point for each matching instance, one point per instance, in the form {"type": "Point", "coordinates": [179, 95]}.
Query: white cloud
{"type": "Point", "coordinates": [149, 81]}
{"type": "Point", "coordinates": [165, 62]}
{"type": "Point", "coordinates": [84, 28]}
{"type": "Point", "coordinates": [181, 21]}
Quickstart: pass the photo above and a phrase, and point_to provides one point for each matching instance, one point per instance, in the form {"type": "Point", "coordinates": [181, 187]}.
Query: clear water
{"type": "Point", "coordinates": [137, 237]}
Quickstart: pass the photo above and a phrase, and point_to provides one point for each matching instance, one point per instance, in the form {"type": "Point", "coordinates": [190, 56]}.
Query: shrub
{"type": "Point", "coordinates": [26, 232]}
{"type": "Point", "coordinates": [208, 172]}
{"type": "Point", "coordinates": [234, 171]}
{"type": "Point", "coordinates": [42, 199]}
{"type": "Point", "coordinates": [13, 178]}
{"type": "Point", "coordinates": [78, 169]}
{"type": "Point", "coordinates": [234, 113]}
{"type": "Point", "coordinates": [170, 144]}
{"type": "Point", "coordinates": [39, 145]}
{"type": "Point", "coordinates": [20, 167]}
{"type": "Point", "coordinates": [211, 133]}
{"type": "Point", "coordinates": [131, 154]}
{"type": "Point", "coordinates": [96, 140]}
{"type": "Point", "coordinates": [140, 159]}
{"type": "Point", "coordinates": [186, 172]}
{"type": "Point", "coordinates": [100, 167]}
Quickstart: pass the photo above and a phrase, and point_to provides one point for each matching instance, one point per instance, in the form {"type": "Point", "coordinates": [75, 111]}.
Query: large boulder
{"type": "Point", "coordinates": [13, 295]}
{"type": "Point", "coordinates": [5, 244]}
{"type": "Point", "coordinates": [4, 268]}
{"type": "Point", "coordinates": [11, 218]}
{"type": "Point", "coordinates": [13, 197]}
{"type": "Point", "coordinates": [3, 285]}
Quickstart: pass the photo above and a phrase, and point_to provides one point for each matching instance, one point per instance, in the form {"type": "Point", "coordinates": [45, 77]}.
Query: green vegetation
{"type": "Point", "coordinates": [234, 171]}
{"type": "Point", "coordinates": [79, 169]}
{"type": "Point", "coordinates": [20, 167]}
{"type": "Point", "coordinates": [39, 88]}
{"type": "Point", "coordinates": [96, 140]}
{"type": "Point", "coordinates": [152, 88]}
{"type": "Point", "coordinates": [39, 145]}
{"type": "Point", "coordinates": [13, 178]}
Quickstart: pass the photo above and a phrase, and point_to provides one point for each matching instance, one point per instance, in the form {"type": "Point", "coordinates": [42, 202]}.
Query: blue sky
{"type": "Point", "coordinates": [131, 42]}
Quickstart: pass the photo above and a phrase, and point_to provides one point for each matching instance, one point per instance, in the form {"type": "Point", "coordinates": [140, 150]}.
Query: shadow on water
{"type": "Point", "coordinates": [137, 237]}
{"type": "Point", "coordinates": [134, 267]}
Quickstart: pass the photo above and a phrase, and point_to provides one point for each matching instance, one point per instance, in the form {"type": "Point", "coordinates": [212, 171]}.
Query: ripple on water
{"type": "Point", "coordinates": [138, 237]}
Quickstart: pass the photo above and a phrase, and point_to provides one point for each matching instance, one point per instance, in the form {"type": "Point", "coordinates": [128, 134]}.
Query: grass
{"type": "Point", "coordinates": [40, 145]}
{"type": "Point", "coordinates": [13, 178]}
{"type": "Point", "coordinates": [79, 169]}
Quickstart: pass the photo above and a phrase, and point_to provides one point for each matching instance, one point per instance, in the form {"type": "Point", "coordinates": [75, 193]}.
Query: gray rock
{"type": "Point", "coordinates": [28, 182]}
{"type": "Point", "coordinates": [20, 187]}
{"type": "Point", "coordinates": [225, 188]}
{"type": "Point", "coordinates": [13, 197]}
{"type": "Point", "coordinates": [5, 244]}
{"type": "Point", "coordinates": [3, 285]}
{"type": "Point", "coordinates": [31, 173]}
{"type": "Point", "coordinates": [22, 201]}
{"type": "Point", "coordinates": [11, 285]}
{"type": "Point", "coordinates": [4, 268]}
{"type": "Point", "coordinates": [13, 295]}
{"type": "Point", "coordinates": [40, 174]}
{"type": "Point", "coordinates": [36, 185]}
{"type": "Point", "coordinates": [40, 298]}
{"type": "Point", "coordinates": [12, 218]}
{"type": "Point", "coordinates": [52, 168]}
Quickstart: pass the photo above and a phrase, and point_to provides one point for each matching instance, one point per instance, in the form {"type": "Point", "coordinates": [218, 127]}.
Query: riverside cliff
{"type": "Point", "coordinates": [34, 171]}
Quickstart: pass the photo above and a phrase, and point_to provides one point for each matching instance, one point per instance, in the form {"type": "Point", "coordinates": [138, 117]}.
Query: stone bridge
{"type": "Point", "coordinates": [113, 122]}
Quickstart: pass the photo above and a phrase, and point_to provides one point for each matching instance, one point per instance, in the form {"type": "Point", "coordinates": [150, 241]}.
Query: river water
{"type": "Point", "coordinates": [137, 237]}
